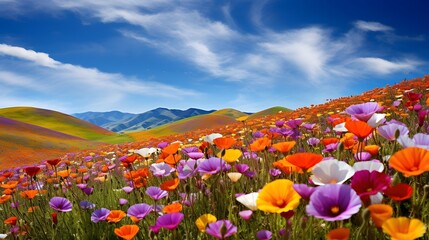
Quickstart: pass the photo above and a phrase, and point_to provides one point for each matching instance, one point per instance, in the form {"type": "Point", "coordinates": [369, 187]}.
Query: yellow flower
{"type": "Point", "coordinates": [278, 196]}
{"type": "Point", "coordinates": [231, 155]}
{"type": "Point", "coordinates": [203, 220]}
{"type": "Point", "coordinates": [403, 228]}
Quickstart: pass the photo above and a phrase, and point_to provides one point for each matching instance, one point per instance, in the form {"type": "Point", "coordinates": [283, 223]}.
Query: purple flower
{"type": "Point", "coordinates": [419, 140]}
{"type": "Point", "coordinates": [139, 211]}
{"type": "Point", "coordinates": [362, 156]}
{"type": "Point", "coordinates": [221, 229]}
{"type": "Point", "coordinates": [363, 111]}
{"type": "Point", "coordinates": [333, 202]}
{"type": "Point", "coordinates": [309, 126]}
{"type": "Point", "coordinates": [60, 204]}
{"type": "Point", "coordinates": [81, 186]}
{"type": "Point", "coordinates": [100, 215]}
{"type": "Point", "coordinates": [257, 134]}
{"type": "Point", "coordinates": [331, 147]}
{"type": "Point", "coordinates": [242, 167]}
{"type": "Point", "coordinates": [304, 190]}
{"type": "Point", "coordinates": [275, 172]}
{"type": "Point", "coordinates": [88, 190]}
{"type": "Point", "coordinates": [122, 201]}
{"type": "Point", "coordinates": [127, 189]}
{"type": "Point", "coordinates": [264, 235]}
{"type": "Point", "coordinates": [162, 145]}
{"type": "Point", "coordinates": [169, 221]}
{"type": "Point", "coordinates": [279, 123]}
{"type": "Point", "coordinates": [313, 141]}
{"type": "Point", "coordinates": [195, 155]}
{"type": "Point", "coordinates": [161, 169]}
{"type": "Point", "coordinates": [295, 123]}
{"type": "Point", "coordinates": [84, 204]}
{"type": "Point", "coordinates": [213, 165]}
{"type": "Point", "coordinates": [190, 149]}
{"type": "Point", "coordinates": [245, 214]}
{"type": "Point", "coordinates": [156, 193]}
{"type": "Point", "coordinates": [186, 169]}
{"type": "Point", "coordinates": [390, 130]}
{"type": "Point", "coordinates": [188, 199]}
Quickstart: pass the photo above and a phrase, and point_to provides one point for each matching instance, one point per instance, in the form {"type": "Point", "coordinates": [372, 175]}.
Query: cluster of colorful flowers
{"type": "Point", "coordinates": [361, 173]}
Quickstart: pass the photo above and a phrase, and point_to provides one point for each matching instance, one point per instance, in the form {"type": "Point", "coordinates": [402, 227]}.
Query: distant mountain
{"type": "Point", "coordinates": [117, 121]}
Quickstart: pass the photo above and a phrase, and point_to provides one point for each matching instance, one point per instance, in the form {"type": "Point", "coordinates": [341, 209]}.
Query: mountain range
{"type": "Point", "coordinates": [117, 121]}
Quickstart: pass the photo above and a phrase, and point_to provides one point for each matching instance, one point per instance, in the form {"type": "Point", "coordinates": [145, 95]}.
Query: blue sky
{"type": "Point", "coordinates": [133, 56]}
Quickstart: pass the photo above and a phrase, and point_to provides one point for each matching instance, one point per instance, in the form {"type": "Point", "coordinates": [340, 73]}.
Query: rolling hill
{"type": "Point", "coordinates": [195, 123]}
{"type": "Point", "coordinates": [62, 123]}
{"type": "Point", "coordinates": [22, 143]}
{"type": "Point", "coordinates": [230, 112]}
{"type": "Point", "coordinates": [269, 111]}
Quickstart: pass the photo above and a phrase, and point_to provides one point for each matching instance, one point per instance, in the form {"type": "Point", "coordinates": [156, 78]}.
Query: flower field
{"type": "Point", "coordinates": [352, 168]}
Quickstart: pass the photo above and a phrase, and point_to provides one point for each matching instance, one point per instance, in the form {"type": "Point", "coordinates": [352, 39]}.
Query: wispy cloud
{"type": "Point", "coordinates": [382, 66]}
{"type": "Point", "coordinates": [372, 26]}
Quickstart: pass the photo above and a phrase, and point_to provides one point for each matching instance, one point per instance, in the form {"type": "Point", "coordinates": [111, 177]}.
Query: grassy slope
{"type": "Point", "coordinates": [22, 143]}
{"type": "Point", "coordinates": [269, 111]}
{"type": "Point", "coordinates": [230, 112]}
{"type": "Point", "coordinates": [62, 123]}
{"type": "Point", "coordinates": [185, 125]}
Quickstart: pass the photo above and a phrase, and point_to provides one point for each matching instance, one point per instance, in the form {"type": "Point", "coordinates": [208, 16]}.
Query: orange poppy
{"type": "Point", "coordinates": [338, 234]}
{"type": "Point", "coordinates": [304, 160]}
{"type": "Point", "coordinates": [380, 213]}
{"type": "Point", "coordinates": [64, 173]}
{"type": "Point", "coordinates": [115, 216]}
{"type": "Point", "coordinates": [9, 191]}
{"type": "Point", "coordinates": [260, 144]}
{"type": "Point", "coordinates": [348, 141]}
{"type": "Point", "coordinates": [129, 159]}
{"type": "Point", "coordinates": [2, 178]}
{"type": "Point", "coordinates": [7, 174]}
{"type": "Point", "coordinates": [53, 162]}
{"type": "Point", "coordinates": [327, 141]}
{"type": "Point", "coordinates": [359, 128]}
{"type": "Point", "coordinates": [5, 198]}
{"type": "Point", "coordinates": [172, 148]}
{"type": "Point", "coordinates": [372, 149]}
{"type": "Point", "coordinates": [172, 208]}
{"type": "Point", "coordinates": [89, 164]}
{"type": "Point", "coordinates": [11, 220]}
{"type": "Point", "coordinates": [224, 142]}
{"type": "Point", "coordinates": [410, 161]}
{"type": "Point", "coordinates": [284, 147]}
{"type": "Point", "coordinates": [127, 232]}
{"type": "Point", "coordinates": [170, 185]}
{"type": "Point", "coordinates": [29, 194]}
{"type": "Point", "coordinates": [172, 159]}
{"type": "Point", "coordinates": [32, 171]}
{"type": "Point", "coordinates": [286, 167]}
{"type": "Point", "coordinates": [104, 168]}
{"type": "Point", "coordinates": [10, 184]}
{"type": "Point", "coordinates": [32, 209]}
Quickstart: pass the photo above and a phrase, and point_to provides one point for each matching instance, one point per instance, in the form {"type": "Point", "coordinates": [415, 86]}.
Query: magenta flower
{"type": "Point", "coordinates": [139, 211]}
{"type": "Point", "coordinates": [333, 202]}
{"type": "Point", "coordinates": [195, 155]}
{"type": "Point", "coordinates": [362, 156]}
{"type": "Point", "coordinates": [367, 183]}
{"type": "Point", "coordinates": [100, 215]}
{"type": "Point", "coordinates": [245, 214]}
{"type": "Point", "coordinates": [221, 229]}
{"type": "Point", "coordinates": [363, 111]}
{"type": "Point", "coordinates": [313, 141]}
{"type": "Point", "coordinates": [169, 221]}
{"type": "Point", "coordinates": [60, 204]}
{"type": "Point", "coordinates": [213, 165]}
{"type": "Point", "coordinates": [156, 193]}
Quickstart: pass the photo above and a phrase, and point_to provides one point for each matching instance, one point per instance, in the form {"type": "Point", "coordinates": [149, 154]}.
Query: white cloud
{"type": "Point", "coordinates": [372, 26]}
{"type": "Point", "coordinates": [382, 66]}
{"type": "Point", "coordinates": [47, 78]}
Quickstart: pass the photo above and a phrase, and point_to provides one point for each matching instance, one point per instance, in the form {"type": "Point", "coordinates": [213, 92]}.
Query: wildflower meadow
{"type": "Point", "coordinates": [343, 170]}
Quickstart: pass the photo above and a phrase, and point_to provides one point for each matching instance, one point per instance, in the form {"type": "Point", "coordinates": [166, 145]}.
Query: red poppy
{"type": "Point", "coordinates": [54, 218]}
{"type": "Point", "coordinates": [327, 141]}
{"type": "Point", "coordinates": [32, 171]}
{"type": "Point", "coordinates": [11, 220]}
{"type": "Point", "coordinates": [53, 162]}
{"type": "Point", "coordinates": [170, 185]}
{"type": "Point", "coordinates": [399, 192]}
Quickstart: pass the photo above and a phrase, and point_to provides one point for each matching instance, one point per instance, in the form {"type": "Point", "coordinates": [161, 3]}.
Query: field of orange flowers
{"type": "Point", "coordinates": [352, 168]}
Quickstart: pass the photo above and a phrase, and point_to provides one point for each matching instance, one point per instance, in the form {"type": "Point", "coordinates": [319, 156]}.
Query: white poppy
{"type": "Point", "coordinates": [211, 137]}
{"type": "Point", "coordinates": [331, 171]}
{"type": "Point", "coordinates": [373, 165]}
{"type": "Point", "coordinates": [377, 119]}
{"type": "Point", "coordinates": [249, 200]}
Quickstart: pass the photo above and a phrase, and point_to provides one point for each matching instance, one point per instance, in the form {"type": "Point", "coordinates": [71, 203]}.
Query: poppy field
{"type": "Point", "coordinates": [352, 168]}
